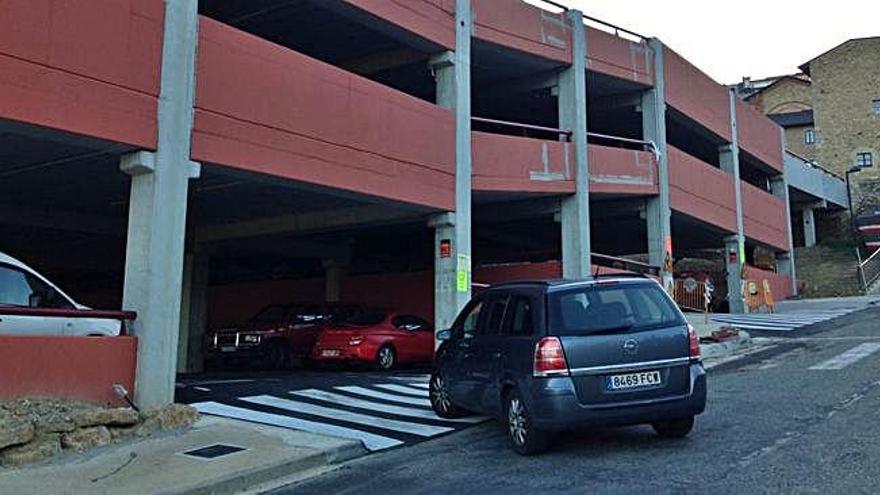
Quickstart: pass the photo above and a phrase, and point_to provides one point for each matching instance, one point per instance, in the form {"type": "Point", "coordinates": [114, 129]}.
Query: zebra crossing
{"type": "Point", "coordinates": [780, 322]}
{"type": "Point", "coordinates": [380, 415]}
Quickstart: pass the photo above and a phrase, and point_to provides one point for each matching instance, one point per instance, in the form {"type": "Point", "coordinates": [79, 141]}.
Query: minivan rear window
{"type": "Point", "coordinates": [609, 308]}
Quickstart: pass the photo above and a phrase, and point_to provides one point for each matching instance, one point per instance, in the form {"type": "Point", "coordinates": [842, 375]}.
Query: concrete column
{"type": "Point", "coordinates": [157, 214]}
{"type": "Point", "coordinates": [658, 213]}
{"type": "Point", "coordinates": [734, 274]}
{"type": "Point", "coordinates": [785, 261]}
{"type": "Point", "coordinates": [728, 156]}
{"type": "Point", "coordinates": [452, 275]}
{"type": "Point", "coordinates": [193, 311]}
{"type": "Point", "coordinates": [575, 209]}
{"type": "Point", "coordinates": [809, 224]}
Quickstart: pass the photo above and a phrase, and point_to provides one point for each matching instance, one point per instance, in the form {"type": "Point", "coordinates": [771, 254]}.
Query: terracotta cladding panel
{"type": "Point", "coordinates": [764, 217]}
{"type": "Point", "coordinates": [695, 94]}
{"type": "Point", "coordinates": [296, 117]}
{"type": "Point", "coordinates": [516, 24]}
{"type": "Point", "coordinates": [509, 163]}
{"type": "Point", "coordinates": [619, 57]}
{"type": "Point", "coordinates": [622, 171]}
{"type": "Point", "coordinates": [758, 135]}
{"type": "Point", "coordinates": [89, 68]}
{"type": "Point", "coordinates": [701, 190]}
{"type": "Point", "coordinates": [780, 285]}
{"type": "Point", "coordinates": [83, 368]}
{"type": "Point", "coordinates": [431, 19]}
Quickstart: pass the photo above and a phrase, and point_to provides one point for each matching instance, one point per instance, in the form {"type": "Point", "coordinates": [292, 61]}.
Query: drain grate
{"type": "Point", "coordinates": [214, 451]}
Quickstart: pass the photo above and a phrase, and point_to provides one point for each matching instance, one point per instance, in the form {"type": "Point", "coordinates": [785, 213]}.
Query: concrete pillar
{"type": "Point", "coordinates": [785, 261]}
{"type": "Point", "coordinates": [728, 157]}
{"type": "Point", "coordinates": [732, 254]}
{"type": "Point", "coordinates": [193, 311]}
{"type": "Point", "coordinates": [452, 275]}
{"type": "Point", "coordinates": [157, 214]}
{"type": "Point", "coordinates": [658, 213]}
{"type": "Point", "coordinates": [575, 210]}
{"type": "Point", "coordinates": [809, 224]}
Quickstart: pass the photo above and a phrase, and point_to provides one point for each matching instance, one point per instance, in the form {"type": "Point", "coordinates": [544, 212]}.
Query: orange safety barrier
{"type": "Point", "coordinates": [691, 294]}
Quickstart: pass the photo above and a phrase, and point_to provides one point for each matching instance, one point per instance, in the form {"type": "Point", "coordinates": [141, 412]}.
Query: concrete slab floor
{"type": "Point", "coordinates": [159, 465]}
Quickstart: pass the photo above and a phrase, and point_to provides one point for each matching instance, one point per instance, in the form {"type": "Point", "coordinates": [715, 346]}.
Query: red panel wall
{"type": "Point", "coordinates": [83, 368]}
{"type": "Point", "coordinates": [780, 285]}
{"type": "Point", "coordinates": [695, 94]}
{"type": "Point", "coordinates": [701, 191]}
{"type": "Point", "coordinates": [619, 57]}
{"type": "Point", "coordinates": [509, 163]}
{"type": "Point", "coordinates": [431, 19]}
{"type": "Point", "coordinates": [524, 27]}
{"type": "Point", "coordinates": [90, 68]}
{"type": "Point", "coordinates": [764, 217]}
{"type": "Point", "coordinates": [268, 109]}
{"type": "Point", "coordinates": [621, 171]}
{"type": "Point", "coordinates": [759, 136]}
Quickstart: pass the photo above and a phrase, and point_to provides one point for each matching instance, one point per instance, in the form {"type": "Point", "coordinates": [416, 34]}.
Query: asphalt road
{"type": "Point", "coordinates": [772, 425]}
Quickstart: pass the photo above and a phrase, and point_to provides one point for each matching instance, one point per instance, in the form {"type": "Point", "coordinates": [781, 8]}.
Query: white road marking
{"type": "Point", "coordinates": [849, 357]}
{"type": "Point", "coordinates": [353, 389]}
{"type": "Point", "coordinates": [418, 385]}
{"type": "Point", "coordinates": [202, 389]}
{"type": "Point", "coordinates": [403, 389]}
{"type": "Point", "coordinates": [370, 440]}
{"type": "Point", "coordinates": [780, 321]}
{"type": "Point", "coordinates": [352, 417]}
{"type": "Point", "coordinates": [345, 400]}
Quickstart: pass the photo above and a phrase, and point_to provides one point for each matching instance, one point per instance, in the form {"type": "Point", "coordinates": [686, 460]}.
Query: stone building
{"type": "Point", "coordinates": [831, 114]}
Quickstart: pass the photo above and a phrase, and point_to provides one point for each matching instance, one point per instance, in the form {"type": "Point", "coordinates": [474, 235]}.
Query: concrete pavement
{"type": "Point", "coordinates": [167, 464]}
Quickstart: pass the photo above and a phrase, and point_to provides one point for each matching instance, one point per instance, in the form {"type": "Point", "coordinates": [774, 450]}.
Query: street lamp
{"type": "Point", "coordinates": [852, 224]}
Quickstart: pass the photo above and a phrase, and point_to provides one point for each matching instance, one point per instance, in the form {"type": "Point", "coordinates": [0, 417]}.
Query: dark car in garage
{"type": "Point", "coordinates": [277, 335]}
{"type": "Point", "coordinates": [551, 356]}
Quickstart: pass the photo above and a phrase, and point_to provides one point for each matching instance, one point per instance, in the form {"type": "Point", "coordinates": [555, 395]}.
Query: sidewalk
{"type": "Point", "coordinates": [160, 465]}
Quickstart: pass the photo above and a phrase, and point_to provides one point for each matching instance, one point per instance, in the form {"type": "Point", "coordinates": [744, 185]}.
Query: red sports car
{"type": "Point", "coordinates": [383, 338]}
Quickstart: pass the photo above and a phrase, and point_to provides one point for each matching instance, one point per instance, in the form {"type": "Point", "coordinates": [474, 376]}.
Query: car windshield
{"type": "Point", "coordinates": [611, 307]}
{"type": "Point", "coordinates": [270, 314]}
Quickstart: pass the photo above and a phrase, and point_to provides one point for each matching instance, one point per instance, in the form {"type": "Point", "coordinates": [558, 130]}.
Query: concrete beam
{"type": "Point", "coordinates": [310, 222]}
{"type": "Point", "coordinates": [658, 212]}
{"type": "Point", "coordinates": [729, 159]}
{"type": "Point", "coordinates": [575, 212]}
{"type": "Point", "coordinates": [378, 62]}
{"type": "Point", "coordinates": [157, 214]}
{"type": "Point", "coordinates": [785, 261]}
{"type": "Point", "coordinates": [527, 84]}
{"type": "Point", "coordinates": [505, 211]}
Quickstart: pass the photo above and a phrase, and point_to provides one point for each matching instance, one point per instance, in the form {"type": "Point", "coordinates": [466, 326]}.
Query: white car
{"type": "Point", "coordinates": [22, 288]}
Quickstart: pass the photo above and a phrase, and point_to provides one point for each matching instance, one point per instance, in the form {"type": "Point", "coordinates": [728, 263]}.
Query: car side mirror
{"type": "Point", "coordinates": [443, 335]}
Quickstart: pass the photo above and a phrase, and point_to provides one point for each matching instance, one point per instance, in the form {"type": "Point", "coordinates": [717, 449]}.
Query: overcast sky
{"type": "Point", "coordinates": [756, 38]}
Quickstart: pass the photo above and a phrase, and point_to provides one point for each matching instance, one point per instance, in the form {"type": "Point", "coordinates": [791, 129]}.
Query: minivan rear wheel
{"type": "Point", "coordinates": [441, 400]}
{"type": "Point", "coordinates": [675, 428]}
{"type": "Point", "coordinates": [525, 438]}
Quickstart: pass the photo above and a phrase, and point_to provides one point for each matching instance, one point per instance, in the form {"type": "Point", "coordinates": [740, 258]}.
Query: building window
{"type": "Point", "coordinates": [875, 105]}
{"type": "Point", "coordinates": [865, 159]}
{"type": "Point", "coordinates": [810, 136]}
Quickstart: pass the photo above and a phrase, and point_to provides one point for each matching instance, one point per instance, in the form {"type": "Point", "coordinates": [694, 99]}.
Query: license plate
{"type": "Point", "coordinates": [632, 380]}
{"type": "Point", "coordinates": [330, 353]}
{"type": "Point", "coordinates": [227, 348]}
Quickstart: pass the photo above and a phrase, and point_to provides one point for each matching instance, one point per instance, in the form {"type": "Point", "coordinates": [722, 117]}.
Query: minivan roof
{"type": "Point", "coordinates": [557, 284]}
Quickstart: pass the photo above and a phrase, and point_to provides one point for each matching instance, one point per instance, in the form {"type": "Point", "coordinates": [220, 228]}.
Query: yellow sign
{"type": "Point", "coordinates": [463, 273]}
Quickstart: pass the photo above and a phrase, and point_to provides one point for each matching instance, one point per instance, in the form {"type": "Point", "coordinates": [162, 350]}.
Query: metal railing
{"type": "Point", "coordinates": [627, 142]}
{"type": "Point", "coordinates": [607, 261]}
{"type": "Point", "coordinates": [565, 133]}
{"type": "Point", "coordinates": [869, 269]}
{"type": "Point", "coordinates": [691, 294]}
{"type": "Point", "coordinates": [615, 30]}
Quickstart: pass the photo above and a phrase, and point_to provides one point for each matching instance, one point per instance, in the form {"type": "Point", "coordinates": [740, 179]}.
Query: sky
{"type": "Point", "coordinates": [732, 39]}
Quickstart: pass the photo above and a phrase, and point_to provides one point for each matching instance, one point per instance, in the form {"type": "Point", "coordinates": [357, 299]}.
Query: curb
{"type": "Point", "coordinates": [239, 481]}
{"type": "Point", "coordinates": [723, 349]}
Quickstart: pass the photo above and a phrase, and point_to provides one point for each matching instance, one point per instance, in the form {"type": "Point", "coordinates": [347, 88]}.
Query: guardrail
{"type": "Point", "coordinates": [628, 143]}
{"type": "Point", "coordinates": [691, 294]}
{"type": "Point", "coordinates": [614, 29]}
{"type": "Point", "coordinates": [624, 264]}
{"type": "Point", "coordinates": [565, 133]}
{"type": "Point", "coordinates": [869, 269]}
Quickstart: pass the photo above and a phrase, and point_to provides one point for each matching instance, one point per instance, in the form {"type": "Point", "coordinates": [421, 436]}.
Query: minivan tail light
{"type": "Point", "coordinates": [694, 347]}
{"type": "Point", "coordinates": [550, 358]}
